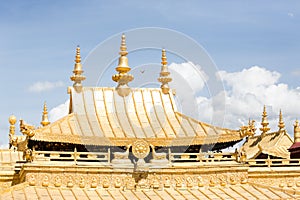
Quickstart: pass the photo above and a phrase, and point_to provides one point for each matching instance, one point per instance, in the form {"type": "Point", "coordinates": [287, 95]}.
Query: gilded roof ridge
{"type": "Point", "coordinates": [204, 123]}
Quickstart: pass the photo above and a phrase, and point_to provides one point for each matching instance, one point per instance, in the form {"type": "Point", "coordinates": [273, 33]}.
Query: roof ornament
{"type": "Point", "coordinates": [296, 132]}
{"type": "Point", "coordinates": [12, 121]}
{"type": "Point", "coordinates": [264, 122]}
{"type": "Point", "coordinates": [122, 77]}
{"type": "Point", "coordinates": [45, 120]}
{"type": "Point", "coordinates": [281, 124]}
{"type": "Point", "coordinates": [164, 77]}
{"type": "Point", "coordinates": [77, 76]}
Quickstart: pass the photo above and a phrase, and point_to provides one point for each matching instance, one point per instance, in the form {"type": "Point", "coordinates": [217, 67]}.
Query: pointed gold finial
{"type": "Point", "coordinates": [281, 124]}
{"type": "Point", "coordinates": [123, 47]}
{"type": "Point", "coordinates": [77, 76]}
{"type": "Point", "coordinates": [296, 132]}
{"type": "Point", "coordinates": [164, 77]}
{"type": "Point", "coordinates": [122, 77]}
{"type": "Point", "coordinates": [45, 120]}
{"type": "Point", "coordinates": [264, 122]}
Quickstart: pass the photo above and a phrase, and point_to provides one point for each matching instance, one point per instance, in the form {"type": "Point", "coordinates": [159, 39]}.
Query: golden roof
{"type": "Point", "coordinates": [240, 191]}
{"type": "Point", "coordinates": [99, 116]}
{"type": "Point", "coordinates": [275, 144]}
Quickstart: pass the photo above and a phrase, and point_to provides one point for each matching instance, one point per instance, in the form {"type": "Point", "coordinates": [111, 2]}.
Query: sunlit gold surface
{"type": "Point", "coordinates": [77, 77]}
{"type": "Point", "coordinates": [101, 115]}
{"type": "Point", "coordinates": [296, 131]}
{"type": "Point", "coordinates": [264, 122]}
{"type": "Point", "coordinates": [164, 74]}
{"type": "Point", "coordinates": [275, 144]}
{"type": "Point", "coordinates": [45, 120]}
{"type": "Point", "coordinates": [281, 124]}
{"type": "Point", "coordinates": [140, 118]}
{"type": "Point", "coordinates": [12, 120]}
{"type": "Point", "coordinates": [123, 78]}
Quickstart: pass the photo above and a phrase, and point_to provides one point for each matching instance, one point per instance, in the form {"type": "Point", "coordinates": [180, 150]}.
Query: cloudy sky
{"type": "Point", "coordinates": [255, 45]}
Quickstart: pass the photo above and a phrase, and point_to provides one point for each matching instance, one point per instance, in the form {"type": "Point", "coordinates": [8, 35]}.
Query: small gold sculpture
{"type": "Point", "coordinates": [190, 182]}
{"type": "Point", "coordinates": [232, 180]}
{"type": "Point", "coordinates": [178, 182]}
{"type": "Point", "coordinates": [155, 182]}
{"type": "Point", "coordinates": [45, 182]}
{"type": "Point", "coordinates": [212, 181]}
{"type": "Point", "coordinates": [200, 181]}
{"type": "Point", "coordinates": [105, 183]}
{"type": "Point", "coordinates": [94, 183]}
{"type": "Point", "coordinates": [27, 129]}
{"type": "Point", "coordinates": [57, 181]}
{"type": "Point", "coordinates": [118, 182]}
{"type": "Point", "coordinates": [82, 182]}
{"type": "Point", "coordinates": [140, 149]}
{"type": "Point", "coordinates": [70, 182]}
{"type": "Point", "coordinates": [32, 180]}
{"type": "Point", "coordinates": [167, 183]}
{"type": "Point", "coordinates": [28, 155]}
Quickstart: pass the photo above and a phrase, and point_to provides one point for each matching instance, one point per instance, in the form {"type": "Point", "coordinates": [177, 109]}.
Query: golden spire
{"type": "Point", "coordinates": [264, 122]}
{"type": "Point", "coordinates": [122, 77]}
{"type": "Point", "coordinates": [164, 77]}
{"type": "Point", "coordinates": [296, 132]}
{"type": "Point", "coordinates": [77, 76]}
{"type": "Point", "coordinates": [45, 120]}
{"type": "Point", "coordinates": [281, 124]}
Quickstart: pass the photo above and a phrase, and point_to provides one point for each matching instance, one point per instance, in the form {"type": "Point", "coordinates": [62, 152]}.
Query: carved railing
{"type": "Point", "coordinates": [201, 157]}
{"type": "Point", "coordinates": [103, 157]}
{"type": "Point", "coordinates": [273, 162]}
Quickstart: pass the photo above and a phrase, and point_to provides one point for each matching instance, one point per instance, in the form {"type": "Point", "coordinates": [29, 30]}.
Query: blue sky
{"type": "Point", "coordinates": [38, 41]}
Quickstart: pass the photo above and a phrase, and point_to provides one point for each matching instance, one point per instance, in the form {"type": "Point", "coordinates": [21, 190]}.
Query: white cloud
{"type": "Point", "coordinates": [246, 93]}
{"type": "Point", "coordinates": [44, 86]}
{"type": "Point", "coordinates": [291, 15]}
{"type": "Point", "coordinates": [59, 111]}
{"type": "Point", "coordinates": [192, 74]}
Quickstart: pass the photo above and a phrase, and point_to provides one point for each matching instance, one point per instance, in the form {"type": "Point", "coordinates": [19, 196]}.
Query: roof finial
{"type": "Point", "coordinates": [264, 122]}
{"type": "Point", "coordinates": [77, 76]}
{"type": "Point", "coordinates": [123, 78]}
{"type": "Point", "coordinates": [45, 120]}
{"type": "Point", "coordinates": [12, 120]}
{"type": "Point", "coordinates": [296, 131]}
{"type": "Point", "coordinates": [164, 73]}
{"type": "Point", "coordinates": [281, 124]}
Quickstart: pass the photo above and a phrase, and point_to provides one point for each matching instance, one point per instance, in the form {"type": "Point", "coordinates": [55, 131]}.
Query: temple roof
{"type": "Point", "coordinates": [240, 191]}
{"type": "Point", "coordinates": [275, 144]}
{"type": "Point", "coordinates": [99, 116]}
{"type": "Point", "coordinates": [296, 145]}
